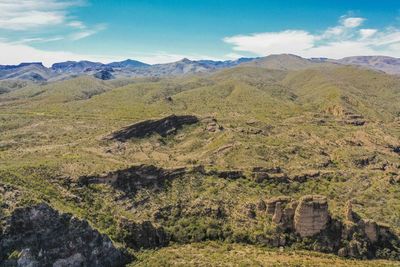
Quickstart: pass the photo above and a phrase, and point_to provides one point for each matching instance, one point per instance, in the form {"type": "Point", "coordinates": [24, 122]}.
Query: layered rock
{"type": "Point", "coordinates": [131, 179]}
{"type": "Point", "coordinates": [164, 127]}
{"type": "Point", "coordinates": [41, 236]}
{"type": "Point", "coordinates": [311, 216]}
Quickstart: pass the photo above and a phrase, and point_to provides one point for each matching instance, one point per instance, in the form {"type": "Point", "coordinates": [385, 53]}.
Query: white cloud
{"type": "Point", "coordinates": [87, 32]}
{"type": "Point", "coordinates": [15, 53]}
{"type": "Point", "coordinates": [352, 22]}
{"type": "Point", "coordinates": [77, 24]}
{"type": "Point", "coordinates": [289, 41]}
{"type": "Point", "coordinates": [366, 33]}
{"type": "Point", "coordinates": [339, 41]}
{"type": "Point", "coordinates": [24, 15]}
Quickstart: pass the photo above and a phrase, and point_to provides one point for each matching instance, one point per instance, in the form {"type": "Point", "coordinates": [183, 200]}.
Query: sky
{"type": "Point", "coordinates": [160, 31]}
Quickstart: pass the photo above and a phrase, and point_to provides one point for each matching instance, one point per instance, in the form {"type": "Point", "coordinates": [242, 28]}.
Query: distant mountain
{"type": "Point", "coordinates": [386, 64]}
{"type": "Point", "coordinates": [285, 62]}
{"type": "Point", "coordinates": [25, 71]}
{"type": "Point", "coordinates": [129, 63]}
{"type": "Point", "coordinates": [129, 68]}
{"type": "Point", "coordinates": [76, 66]}
{"type": "Point", "coordinates": [224, 64]}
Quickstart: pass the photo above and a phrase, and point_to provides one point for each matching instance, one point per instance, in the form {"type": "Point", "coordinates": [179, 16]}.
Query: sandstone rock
{"type": "Point", "coordinates": [311, 215]}
{"type": "Point", "coordinates": [282, 209]}
{"type": "Point", "coordinates": [278, 213]}
{"type": "Point", "coordinates": [165, 126]}
{"type": "Point", "coordinates": [46, 237]}
{"type": "Point", "coordinates": [371, 230]}
{"type": "Point", "coordinates": [271, 203]}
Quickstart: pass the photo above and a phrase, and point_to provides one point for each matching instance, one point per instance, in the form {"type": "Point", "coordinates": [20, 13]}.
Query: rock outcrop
{"type": "Point", "coordinates": [164, 127]}
{"type": "Point", "coordinates": [311, 216]}
{"type": "Point", "coordinates": [354, 237]}
{"type": "Point", "coordinates": [104, 75]}
{"type": "Point", "coordinates": [41, 236]}
{"type": "Point", "coordinates": [131, 179]}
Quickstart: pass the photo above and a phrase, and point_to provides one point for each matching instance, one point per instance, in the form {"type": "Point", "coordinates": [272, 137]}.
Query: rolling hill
{"type": "Point", "coordinates": [289, 160]}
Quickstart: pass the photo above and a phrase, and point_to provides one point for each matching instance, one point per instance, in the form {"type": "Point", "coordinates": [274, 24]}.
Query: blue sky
{"type": "Point", "coordinates": [157, 31]}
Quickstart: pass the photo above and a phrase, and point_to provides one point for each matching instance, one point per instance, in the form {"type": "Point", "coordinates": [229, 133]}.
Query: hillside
{"type": "Point", "coordinates": [278, 161]}
{"type": "Point", "coordinates": [386, 64]}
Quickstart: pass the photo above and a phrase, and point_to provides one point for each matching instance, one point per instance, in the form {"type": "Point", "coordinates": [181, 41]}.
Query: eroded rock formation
{"type": "Point", "coordinates": [354, 237]}
{"type": "Point", "coordinates": [41, 236]}
{"type": "Point", "coordinates": [311, 216]}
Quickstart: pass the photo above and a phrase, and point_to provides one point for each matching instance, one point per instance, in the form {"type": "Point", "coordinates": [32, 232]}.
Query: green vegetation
{"type": "Point", "coordinates": [222, 254]}
{"type": "Point", "coordinates": [303, 121]}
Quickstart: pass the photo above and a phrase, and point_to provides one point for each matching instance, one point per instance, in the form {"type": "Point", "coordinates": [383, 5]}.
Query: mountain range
{"type": "Point", "coordinates": [37, 72]}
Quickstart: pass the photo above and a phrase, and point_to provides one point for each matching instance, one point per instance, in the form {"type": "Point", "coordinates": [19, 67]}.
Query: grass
{"type": "Point", "coordinates": [52, 134]}
{"type": "Point", "coordinates": [225, 254]}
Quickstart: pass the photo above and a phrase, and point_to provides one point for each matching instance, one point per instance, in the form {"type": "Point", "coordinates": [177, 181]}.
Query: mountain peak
{"type": "Point", "coordinates": [185, 60]}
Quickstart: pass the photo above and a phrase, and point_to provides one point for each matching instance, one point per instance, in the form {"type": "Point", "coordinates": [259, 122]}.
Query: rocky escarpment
{"type": "Point", "coordinates": [165, 126]}
{"type": "Point", "coordinates": [41, 236]}
{"type": "Point", "coordinates": [131, 179]}
{"type": "Point", "coordinates": [310, 220]}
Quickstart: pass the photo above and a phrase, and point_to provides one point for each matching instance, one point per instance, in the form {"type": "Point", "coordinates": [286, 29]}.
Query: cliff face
{"type": "Point", "coordinates": [311, 215]}
{"type": "Point", "coordinates": [41, 236]}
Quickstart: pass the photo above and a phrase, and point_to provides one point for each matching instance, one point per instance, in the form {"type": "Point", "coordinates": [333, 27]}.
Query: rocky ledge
{"type": "Point", "coordinates": [131, 179]}
{"type": "Point", "coordinates": [164, 127]}
{"type": "Point", "coordinates": [41, 236]}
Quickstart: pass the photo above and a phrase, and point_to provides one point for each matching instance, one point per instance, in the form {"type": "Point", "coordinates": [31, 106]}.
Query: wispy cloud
{"type": "Point", "coordinates": [348, 38]}
{"type": "Point", "coordinates": [85, 32]}
{"type": "Point", "coordinates": [26, 15]}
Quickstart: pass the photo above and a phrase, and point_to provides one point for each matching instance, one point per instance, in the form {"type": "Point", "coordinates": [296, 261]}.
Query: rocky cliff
{"type": "Point", "coordinates": [41, 236]}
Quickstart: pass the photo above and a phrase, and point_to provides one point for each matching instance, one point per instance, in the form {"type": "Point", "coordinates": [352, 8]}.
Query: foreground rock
{"type": "Point", "coordinates": [41, 236]}
{"type": "Point", "coordinates": [164, 127]}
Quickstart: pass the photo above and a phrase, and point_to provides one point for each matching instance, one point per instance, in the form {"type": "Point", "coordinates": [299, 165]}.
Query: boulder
{"type": "Point", "coordinates": [311, 215]}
